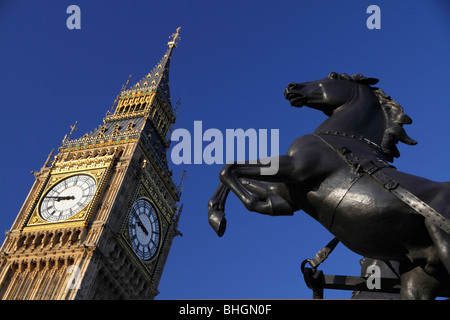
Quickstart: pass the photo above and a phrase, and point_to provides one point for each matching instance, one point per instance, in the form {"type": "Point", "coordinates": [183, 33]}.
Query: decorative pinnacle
{"type": "Point", "coordinates": [175, 38]}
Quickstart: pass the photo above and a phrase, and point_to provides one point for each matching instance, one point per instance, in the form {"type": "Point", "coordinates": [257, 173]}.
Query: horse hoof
{"type": "Point", "coordinates": [217, 221]}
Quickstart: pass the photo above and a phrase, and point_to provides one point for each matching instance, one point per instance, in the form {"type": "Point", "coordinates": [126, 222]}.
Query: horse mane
{"type": "Point", "coordinates": [394, 117]}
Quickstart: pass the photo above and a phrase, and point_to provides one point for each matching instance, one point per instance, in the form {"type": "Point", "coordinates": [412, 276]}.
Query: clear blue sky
{"type": "Point", "coordinates": [230, 69]}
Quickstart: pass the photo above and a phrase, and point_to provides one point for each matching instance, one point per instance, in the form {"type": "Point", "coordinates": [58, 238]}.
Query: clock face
{"type": "Point", "coordinates": [143, 227]}
{"type": "Point", "coordinates": [67, 198]}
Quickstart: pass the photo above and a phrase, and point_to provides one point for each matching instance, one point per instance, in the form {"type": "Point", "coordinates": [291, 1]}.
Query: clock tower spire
{"type": "Point", "coordinates": [100, 218]}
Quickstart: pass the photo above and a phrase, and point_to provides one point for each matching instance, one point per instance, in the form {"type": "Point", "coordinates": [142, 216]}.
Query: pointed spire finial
{"type": "Point", "coordinates": [183, 176]}
{"type": "Point", "coordinates": [126, 83]}
{"type": "Point", "coordinates": [72, 129]}
{"type": "Point", "coordinates": [175, 38]}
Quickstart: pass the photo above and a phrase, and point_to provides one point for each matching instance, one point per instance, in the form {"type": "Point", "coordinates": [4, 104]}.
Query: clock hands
{"type": "Point", "coordinates": [140, 224]}
{"type": "Point", "coordinates": [59, 198]}
{"type": "Point", "coordinates": [144, 229]}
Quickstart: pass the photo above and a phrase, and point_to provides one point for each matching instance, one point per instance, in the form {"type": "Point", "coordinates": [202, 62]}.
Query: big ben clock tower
{"type": "Point", "coordinates": [100, 218]}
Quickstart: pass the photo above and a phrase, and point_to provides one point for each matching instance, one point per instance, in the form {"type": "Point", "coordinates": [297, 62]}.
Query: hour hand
{"type": "Point", "coordinates": [140, 224]}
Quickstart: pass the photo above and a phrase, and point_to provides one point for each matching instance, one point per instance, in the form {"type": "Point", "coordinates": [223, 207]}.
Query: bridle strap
{"type": "Point", "coordinates": [375, 170]}
{"type": "Point", "coordinates": [351, 136]}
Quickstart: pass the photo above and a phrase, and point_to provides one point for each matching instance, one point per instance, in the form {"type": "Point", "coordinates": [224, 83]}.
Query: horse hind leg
{"type": "Point", "coordinates": [416, 284]}
{"type": "Point", "coordinates": [441, 240]}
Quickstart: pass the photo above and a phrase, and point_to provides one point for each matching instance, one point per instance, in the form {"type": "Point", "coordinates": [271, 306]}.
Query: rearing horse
{"type": "Point", "coordinates": [321, 174]}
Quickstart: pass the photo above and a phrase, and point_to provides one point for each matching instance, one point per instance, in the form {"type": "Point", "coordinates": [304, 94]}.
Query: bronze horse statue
{"type": "Point", "coordinates": [340, 175]}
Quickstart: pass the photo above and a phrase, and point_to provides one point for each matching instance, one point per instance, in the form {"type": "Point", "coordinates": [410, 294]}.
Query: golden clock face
{"type": "Point", "coordinates": [144, 229]}
{"type": "Point", "coordinates": [67, 198]}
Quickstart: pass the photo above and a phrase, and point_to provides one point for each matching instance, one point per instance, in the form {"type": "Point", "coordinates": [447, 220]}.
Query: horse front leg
{"type": "Point", "coordinates": [264, 190]}
{"type": "Point", "coordinates": [258, 191]}
{"type": "Point", "coordinates": [216, 209]}
{"type": "Point", "coordinates": [270, 197]}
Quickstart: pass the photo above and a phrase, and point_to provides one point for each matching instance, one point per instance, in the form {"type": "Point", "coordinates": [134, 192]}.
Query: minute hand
{"type": "Point", "coordinates": [57, 198]}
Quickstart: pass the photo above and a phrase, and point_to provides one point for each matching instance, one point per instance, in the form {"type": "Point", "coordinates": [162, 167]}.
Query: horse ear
{"type": "Point", "coordinates": [333, 75]}
{"type": "Point", "coordinates": [359, 78]}
{"type": "Point", "coordinates": [368, 81]}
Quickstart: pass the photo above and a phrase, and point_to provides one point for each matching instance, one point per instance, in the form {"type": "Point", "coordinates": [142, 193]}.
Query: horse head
{"type": "Point", "coordinates": [381, 119]}
{"type": "Point", "coordinates": [325, 94]}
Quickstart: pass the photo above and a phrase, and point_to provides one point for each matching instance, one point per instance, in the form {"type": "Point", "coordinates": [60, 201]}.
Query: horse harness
{"type": "Point", "coordinates": [375, 170]}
